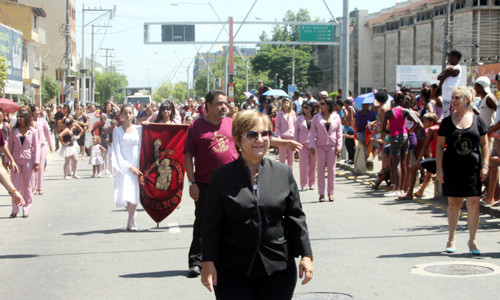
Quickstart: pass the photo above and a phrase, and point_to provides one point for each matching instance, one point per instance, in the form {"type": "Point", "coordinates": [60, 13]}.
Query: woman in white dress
{"type": "Point", "coordinates": [126, 150]}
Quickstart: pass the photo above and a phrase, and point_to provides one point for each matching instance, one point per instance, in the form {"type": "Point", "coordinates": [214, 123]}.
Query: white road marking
{"type": "Point", "coordinates": [173, 228]}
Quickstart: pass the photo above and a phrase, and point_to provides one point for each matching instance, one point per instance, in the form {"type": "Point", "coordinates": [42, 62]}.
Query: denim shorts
{"type": "Point", "coordinates": [399, 144]}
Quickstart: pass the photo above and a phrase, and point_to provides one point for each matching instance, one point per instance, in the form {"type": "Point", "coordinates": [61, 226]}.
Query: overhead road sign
{"type": "Point", "coordinates": [316, 33]}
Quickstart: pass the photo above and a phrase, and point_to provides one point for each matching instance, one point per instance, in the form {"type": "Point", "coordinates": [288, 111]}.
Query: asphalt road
{"type": "Point", "coordinates": [74, 246]}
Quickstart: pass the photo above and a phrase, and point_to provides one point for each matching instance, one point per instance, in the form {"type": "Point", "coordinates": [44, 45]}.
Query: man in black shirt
{"type": "Point", "coordinates": [57, 116]}
{"type": "Point", "coordinates": [262, 89]}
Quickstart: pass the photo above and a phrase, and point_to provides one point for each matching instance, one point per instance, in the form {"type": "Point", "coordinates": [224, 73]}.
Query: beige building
{"type": "Point", "coordinates": [412, 33]}
{"type": "Point", "coordinates": [55, 26]}
{"type": "Point", "coordinates": [26, 19]}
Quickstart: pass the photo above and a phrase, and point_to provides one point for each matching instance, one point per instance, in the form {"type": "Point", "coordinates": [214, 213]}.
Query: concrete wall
{"type": "Point", "coordinates": [437, 40]}
{"type": "Point", "coordinates": [378, 54]}
{"type": "Point", "coordinates": [406, 45]}
{"type": "Point", "coordinates": [462, 33]}
{"type": "Point", "coordinates": [423, 43]}
{"type": "Point", "coordinates": [391, 58]}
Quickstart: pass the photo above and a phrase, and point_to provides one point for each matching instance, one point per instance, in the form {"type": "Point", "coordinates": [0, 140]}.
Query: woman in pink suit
{"type": "Point", "coordinates": [285, 129]}
{"type": "Point", "coordinates": [43, 130]}
{"type": "Point", "coordinates": [307, 161]}
{"type": "Point", "coordinates": [325, 140]}
{"type": "Point", "coordinates": [25, 149]}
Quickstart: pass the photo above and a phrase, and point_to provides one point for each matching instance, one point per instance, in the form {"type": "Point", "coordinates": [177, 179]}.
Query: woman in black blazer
{"type": "Point", "coordinates": [254, 225]}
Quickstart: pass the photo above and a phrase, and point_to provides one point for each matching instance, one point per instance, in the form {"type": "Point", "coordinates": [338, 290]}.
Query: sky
{"type": "Point", "coordinates": [150, 65]}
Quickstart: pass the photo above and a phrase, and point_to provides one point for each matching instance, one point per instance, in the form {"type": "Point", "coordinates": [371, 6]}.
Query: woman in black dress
{"type": "Point", "coordinates": [462, 163]}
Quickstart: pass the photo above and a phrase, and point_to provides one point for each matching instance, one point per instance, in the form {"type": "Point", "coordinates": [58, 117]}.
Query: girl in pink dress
{"type": "Point", "coordinates": [96, 151]}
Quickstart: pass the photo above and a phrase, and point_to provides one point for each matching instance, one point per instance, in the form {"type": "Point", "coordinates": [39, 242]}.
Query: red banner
{"type": "Point", "coordinates": [162, 163]}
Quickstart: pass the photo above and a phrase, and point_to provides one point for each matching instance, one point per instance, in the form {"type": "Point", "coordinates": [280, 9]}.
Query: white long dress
{"type": "Point", "coordinates": [126, 149]}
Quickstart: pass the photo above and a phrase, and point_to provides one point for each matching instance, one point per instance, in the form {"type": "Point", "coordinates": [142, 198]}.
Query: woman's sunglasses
{"type": "Point", "coordinates": [253, 135]}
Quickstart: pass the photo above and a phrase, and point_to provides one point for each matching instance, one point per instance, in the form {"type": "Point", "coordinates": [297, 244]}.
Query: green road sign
{"type": "Point", "coordinates": [316, 33]}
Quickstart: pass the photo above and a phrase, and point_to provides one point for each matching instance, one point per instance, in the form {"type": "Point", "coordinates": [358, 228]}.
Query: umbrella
{"type": "Point", "coordinates": [367, 99]}
{"type": "Point", "coordinates": [8, 106]}
{"type": "Point", "coordinates": [248, 94]}
{"type": "Point", "coordinates": [276, 93]}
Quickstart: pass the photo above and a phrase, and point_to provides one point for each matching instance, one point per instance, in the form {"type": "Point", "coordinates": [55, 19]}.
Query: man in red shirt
{"type": "Point", "coordinates": [210, 142]}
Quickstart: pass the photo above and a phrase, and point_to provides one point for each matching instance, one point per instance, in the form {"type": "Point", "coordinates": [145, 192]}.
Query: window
{"type": "Point", "coordinates": [407, 21]}
{"type": "Point", "coordinates": [460, 4]}
{"type": "Point", "coordinates": [440, 11]}
{"type": "Point", "coordinates": [392, 26]}
{"type": "Point", "coordinates": [378, 30]}
{"type": "Point", "coordinates": [425, 15]}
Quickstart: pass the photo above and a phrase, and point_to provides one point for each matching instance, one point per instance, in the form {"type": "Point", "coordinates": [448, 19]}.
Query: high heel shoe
{"type": "Point", "coordinates": [473, 252]}
{"type": "Point", "coordinates": [13, 215]}
{"type": "Point", "coordinates": [321, 198]}
{"type": "Point", "coordinates": [449, 249]}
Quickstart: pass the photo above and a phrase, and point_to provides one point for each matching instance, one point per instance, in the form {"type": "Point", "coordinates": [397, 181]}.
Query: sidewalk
{"type": "Point", "coordinates": [429, 193]}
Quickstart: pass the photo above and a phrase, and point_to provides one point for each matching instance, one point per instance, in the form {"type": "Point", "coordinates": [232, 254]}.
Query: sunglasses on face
{"type": "Point", "coordinates": [322, 103]}
{"type": "Point", "coordinates": [20, 116]}
{"type": "Point", "coordinates": [304, 107]}
{"type": "Point", "coordinates": [253, 135]}
{"type": "Point", "coordinates": [168, 107]}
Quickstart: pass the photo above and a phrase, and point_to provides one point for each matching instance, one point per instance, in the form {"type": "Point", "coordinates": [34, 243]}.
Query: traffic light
{"type": "Point", "coordinates": [276, 80]}
{"type": "Point", "coordinates": [231, 78]}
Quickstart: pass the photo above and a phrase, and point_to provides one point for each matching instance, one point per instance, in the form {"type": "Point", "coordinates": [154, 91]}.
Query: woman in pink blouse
{"type": "Point", "coordinates": [285, 129]}
{"type": "Point", "coordinates": [43, 130]}
{"type": "Point", "coordinates": [307, 161]}
{"type": "Point", "coordinates": [25, 149]}
{"type": "Point", "coordinates": [325, 141]}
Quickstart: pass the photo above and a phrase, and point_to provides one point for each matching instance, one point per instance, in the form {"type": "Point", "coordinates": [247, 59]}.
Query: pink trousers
{"type": "Point", "coordinates": [307, 167]}
{"type": "Point", "coordinates": [327, 158]}
{"type": "Point", "coordinates": [286, 154]}
{"type": "Point", "coordinates": [44, 149]}
{"type": "Point", "coordinates": [24, 182]}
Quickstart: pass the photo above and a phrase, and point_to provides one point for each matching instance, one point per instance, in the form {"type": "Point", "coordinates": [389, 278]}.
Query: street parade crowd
{"type": "Point", "coordinates": [442, 133]}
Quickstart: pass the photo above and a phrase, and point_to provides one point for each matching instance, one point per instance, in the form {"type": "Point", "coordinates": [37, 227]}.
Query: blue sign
{"type": "Point", "coordinates": [292, 88]}
{"type": "Point", "coordinates": [11, 47]}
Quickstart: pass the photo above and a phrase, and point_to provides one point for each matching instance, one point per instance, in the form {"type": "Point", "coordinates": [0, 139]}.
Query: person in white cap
{"type": "Point", "coordinates": [489, 103]}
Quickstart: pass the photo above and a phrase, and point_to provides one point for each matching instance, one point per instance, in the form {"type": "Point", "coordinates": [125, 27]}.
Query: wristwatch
{"type": "Point", "coordinates": [192, 182]}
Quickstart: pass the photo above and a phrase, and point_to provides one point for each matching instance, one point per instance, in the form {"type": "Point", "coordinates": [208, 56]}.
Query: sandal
{"type": "Point", "coordinates": [321, 198]}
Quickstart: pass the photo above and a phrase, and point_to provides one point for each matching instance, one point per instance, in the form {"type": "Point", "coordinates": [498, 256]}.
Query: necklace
{"type": "Point", "coordinates": [255, 179]}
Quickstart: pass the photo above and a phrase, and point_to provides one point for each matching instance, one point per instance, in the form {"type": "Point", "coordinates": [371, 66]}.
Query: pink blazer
{"type": "Point", "coordinates": [301, 131]}
{"type": "Point", "coordinates": [30, 149]}
{"type": "Point", "coordinates": [285, 128]}
{"type": "Point", "coordinates": [319, 136]}
{"type": "Point", "coordinates": [43, 130]}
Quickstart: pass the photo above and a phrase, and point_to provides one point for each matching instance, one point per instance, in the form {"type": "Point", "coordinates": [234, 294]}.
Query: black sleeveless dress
{"type": "Point", "coordinates": [462, 158]}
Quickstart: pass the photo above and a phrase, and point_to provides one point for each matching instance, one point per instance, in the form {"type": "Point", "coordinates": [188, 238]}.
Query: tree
{"type": "Point", "coordinates": [50, 89]}
{"type": "Point", "coordinates": [110, 84]}
{"type": "Point", "coordinates": [170, 91]}
{"type": "Point", "coordinates": [3, 72]}
{"type": "Point", "coordinates": [272, 59]}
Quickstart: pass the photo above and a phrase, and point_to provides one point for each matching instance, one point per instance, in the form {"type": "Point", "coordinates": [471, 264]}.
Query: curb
{"type": "Point", "coordinates": [484, 209]}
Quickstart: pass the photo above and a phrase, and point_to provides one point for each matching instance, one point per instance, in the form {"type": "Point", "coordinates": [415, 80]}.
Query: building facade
{"type": "Point", "coordinates": [412, 33]}
{"type": "Point", "coordinates": [26, 19]}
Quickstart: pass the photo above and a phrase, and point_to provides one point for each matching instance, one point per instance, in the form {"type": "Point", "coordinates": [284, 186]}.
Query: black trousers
{"type": "Point", "coordinates": [349, 145]}
{"type": "Point", "coordinates": [195, 249]}
{"type": "Point", "coordinates": [257, 286]}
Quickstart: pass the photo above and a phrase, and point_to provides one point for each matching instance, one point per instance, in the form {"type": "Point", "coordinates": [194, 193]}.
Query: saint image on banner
{"type": "Point", "coordinates": [162, 165]}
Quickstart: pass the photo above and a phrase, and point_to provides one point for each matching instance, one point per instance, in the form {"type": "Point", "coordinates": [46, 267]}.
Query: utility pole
{"type": "Point", "coordinates": [107, 55]}
{"type": "Point", "coordinates": [83, 96]}
{"type": "Point", "coordinates": [92, 68]}
{"type": "Point", "coordinates": [446, 41]}
{"type": "Point", "coordinates": [293, 64]}
{"type": "Point", "coordinates": [345, 52]}
{"type": "Point", "coordinates": [66, 54]}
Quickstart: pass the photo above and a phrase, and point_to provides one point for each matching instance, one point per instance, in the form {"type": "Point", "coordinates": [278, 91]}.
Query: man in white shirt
{"type": "Point", "coordinates": [449, 79]}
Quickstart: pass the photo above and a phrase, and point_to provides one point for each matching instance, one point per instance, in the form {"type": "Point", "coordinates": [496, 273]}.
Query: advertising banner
{"type": "Point", "coordinates": [414, 76]}
{"type": "Point", "coordinates": [11, 47]}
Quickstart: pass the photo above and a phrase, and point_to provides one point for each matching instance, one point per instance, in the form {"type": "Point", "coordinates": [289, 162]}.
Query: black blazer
{"type": "Point", "coordinates": [239, 227]}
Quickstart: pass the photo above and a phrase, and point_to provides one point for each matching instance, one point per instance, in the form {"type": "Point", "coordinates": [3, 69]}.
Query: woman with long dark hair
{"type": "Point", "coordinates": [166, 113]}
{"type": "Point", "coordinates": [81, 120]}
{"type": "Point", "coordinates": [69, 149]}
{"type": "Point", "coordinates": [126, 149]}
{"type": "Point", "coordinates": [325, 141]}
{"type": "Point", "coordinates": [25, 148]}
{"type": "Point", "coordinates": [43, 131]}
{"type": "Point", "coordinates": [307, 161]}
{"type": "Point", "coordinates": [285, 129]}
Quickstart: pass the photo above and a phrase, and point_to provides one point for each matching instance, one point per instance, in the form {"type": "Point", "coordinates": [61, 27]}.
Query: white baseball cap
{"type": "Point", "coordinates": [323, 93]}
{"type": "Point", "coordinates": [485, 83]}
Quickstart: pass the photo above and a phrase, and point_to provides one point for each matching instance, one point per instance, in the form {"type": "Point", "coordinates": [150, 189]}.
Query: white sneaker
{"type": "Point", "coordinates": [76, 176]}
{"type": "Point", "coordinates": [393, 194]}
{"type": "Point", "coordinates": [107, 172]}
